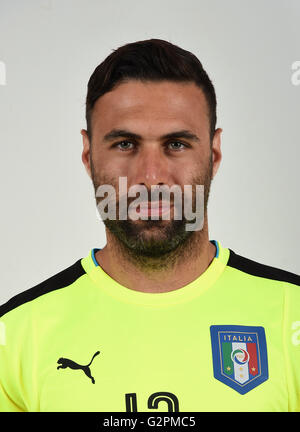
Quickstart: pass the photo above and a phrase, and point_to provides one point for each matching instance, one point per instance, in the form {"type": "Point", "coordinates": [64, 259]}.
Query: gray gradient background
{"type": "Point", "coordinates": [50, 48]}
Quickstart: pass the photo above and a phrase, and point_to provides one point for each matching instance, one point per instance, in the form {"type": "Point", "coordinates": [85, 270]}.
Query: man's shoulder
{"type": "Point", "coordinates": [255, 268]}
{"type": "Point", "coordinates": [59, 280]}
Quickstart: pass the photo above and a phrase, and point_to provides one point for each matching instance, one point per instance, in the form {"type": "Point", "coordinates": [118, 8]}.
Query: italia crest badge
{"type": "Point", "coordinates": [239, 356]}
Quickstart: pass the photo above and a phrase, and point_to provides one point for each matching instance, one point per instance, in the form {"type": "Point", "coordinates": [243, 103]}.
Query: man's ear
{"type": "Point", "coordinates": [86, 157]}
{"type": "Point", "coordinates": [216, 151]}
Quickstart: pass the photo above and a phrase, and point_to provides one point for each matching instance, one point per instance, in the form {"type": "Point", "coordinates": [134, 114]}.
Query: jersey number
{"type": "Point", "coordinates": [153, 401]}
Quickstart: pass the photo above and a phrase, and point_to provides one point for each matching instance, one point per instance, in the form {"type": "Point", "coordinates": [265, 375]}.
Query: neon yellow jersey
{"type": "Point", "coordinates": [80, 341]}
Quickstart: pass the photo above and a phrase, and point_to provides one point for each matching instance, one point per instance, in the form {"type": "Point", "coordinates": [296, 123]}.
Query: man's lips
{"type": "Point", "coordinates": [154, 204]}
{"type": "Point", "coordinates": [155, 208]}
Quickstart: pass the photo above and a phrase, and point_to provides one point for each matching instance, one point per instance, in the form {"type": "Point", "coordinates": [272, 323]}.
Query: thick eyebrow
{"type": "Point", "coordinates": [117, 133]}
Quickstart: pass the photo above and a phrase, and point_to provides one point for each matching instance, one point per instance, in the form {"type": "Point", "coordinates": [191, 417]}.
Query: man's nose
{"type": "Point", "coordinates": [150, 167]}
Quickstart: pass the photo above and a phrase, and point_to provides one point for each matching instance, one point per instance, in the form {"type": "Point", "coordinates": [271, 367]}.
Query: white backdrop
{"type": "Point", "coordinates": [48, 50]}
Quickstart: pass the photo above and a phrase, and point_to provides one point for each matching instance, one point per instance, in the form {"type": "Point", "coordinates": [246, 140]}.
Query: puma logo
{"type": "Point", "coordinates": [73, 365]}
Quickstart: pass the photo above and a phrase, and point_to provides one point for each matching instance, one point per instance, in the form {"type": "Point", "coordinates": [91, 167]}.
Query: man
{"type": "Point", "coordinates": [161, 318]}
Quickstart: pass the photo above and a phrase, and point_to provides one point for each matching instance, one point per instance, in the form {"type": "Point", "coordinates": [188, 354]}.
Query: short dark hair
{"type": "Point", "coordinates": [149, 60]}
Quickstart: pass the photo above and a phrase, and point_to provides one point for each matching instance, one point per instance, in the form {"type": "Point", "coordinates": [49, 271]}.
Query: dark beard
{"type": "Point", "coordinates": [157, 243]}
{"type": "Point", "coordinates": [137, 237]}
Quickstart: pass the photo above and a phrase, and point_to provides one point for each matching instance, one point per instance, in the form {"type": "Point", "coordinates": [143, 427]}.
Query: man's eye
{"type": "Point", "coordinates": [124, 145]}
{"type": "Point", "coordinates": [178, 145]}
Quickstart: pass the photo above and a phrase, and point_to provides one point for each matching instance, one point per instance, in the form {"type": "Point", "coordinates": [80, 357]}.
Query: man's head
{"type": "Point", "coordinates": [152, 60]}
{"type": "Point", "coordinates": [151, 116]}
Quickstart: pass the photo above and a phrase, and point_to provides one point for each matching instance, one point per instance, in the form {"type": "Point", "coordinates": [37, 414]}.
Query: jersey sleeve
{"type": "Point", "coordinates": [6, 404]}
{"type": "Point", "coordinates": [12, 333]}
{"type": "Point", "coordinates": [291, 336]}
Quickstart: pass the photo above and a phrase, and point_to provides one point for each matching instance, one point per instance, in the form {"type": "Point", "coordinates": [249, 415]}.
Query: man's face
{"type": "Point", "coordinates": [133, 136]}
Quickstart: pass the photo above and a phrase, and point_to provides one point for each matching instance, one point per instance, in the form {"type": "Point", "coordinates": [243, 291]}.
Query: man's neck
{"type": "Point", "coordinates": [190, 265]}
